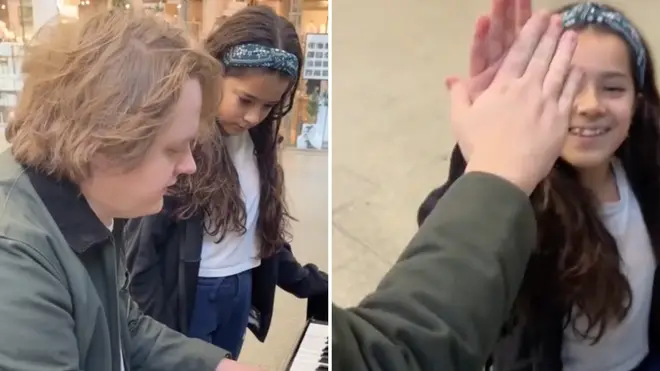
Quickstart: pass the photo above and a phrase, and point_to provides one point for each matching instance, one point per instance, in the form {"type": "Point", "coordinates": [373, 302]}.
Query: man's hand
{"type": "Point", "coordinates": [518, 125]}
{"type": "Point", "coordinates": [230, 365]}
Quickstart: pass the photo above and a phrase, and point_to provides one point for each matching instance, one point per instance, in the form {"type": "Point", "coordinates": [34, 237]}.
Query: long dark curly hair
{"type": "Point", "coordinates": [577, 263]}
{"type": "Point", "coordinates": [214, 189]}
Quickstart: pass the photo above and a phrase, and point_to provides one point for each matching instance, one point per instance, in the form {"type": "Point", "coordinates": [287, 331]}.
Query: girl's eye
{"type": "Point", "coordinates": [177, 151]}
{"type": "Point", "coordinates": [244, 101]}
{"type": "Point", "coordinates": [615, 89]}
{"type": "Point", "coordinates": [173, 151]}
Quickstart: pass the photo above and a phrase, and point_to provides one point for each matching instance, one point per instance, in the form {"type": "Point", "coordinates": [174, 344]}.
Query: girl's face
{"type": "Point", "coordinates": [248, 98]}
{"type": "Point", "coordinates": [604, 108]}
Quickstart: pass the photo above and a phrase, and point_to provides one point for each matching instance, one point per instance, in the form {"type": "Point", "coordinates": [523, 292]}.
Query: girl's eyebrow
{"type": "Point", "coordinates": [614, 74]}
{"type": "Point", "coordinates": [252, 97]}
{"type": "Point", "coordinates": [185, 141]}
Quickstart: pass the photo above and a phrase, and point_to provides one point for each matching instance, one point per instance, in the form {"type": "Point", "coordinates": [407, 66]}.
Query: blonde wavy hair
{"type": "Point", "coordinates": [105, 85]}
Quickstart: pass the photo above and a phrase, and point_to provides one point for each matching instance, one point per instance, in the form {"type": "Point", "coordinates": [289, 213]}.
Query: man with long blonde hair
{"type": "Point", "coordinates": [110, 108]}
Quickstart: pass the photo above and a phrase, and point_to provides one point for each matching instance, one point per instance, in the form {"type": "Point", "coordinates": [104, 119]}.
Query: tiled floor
{"type": "Point", "coordinates": [307, 191]}
{"type": "Point", "coordinates": [390, 137]}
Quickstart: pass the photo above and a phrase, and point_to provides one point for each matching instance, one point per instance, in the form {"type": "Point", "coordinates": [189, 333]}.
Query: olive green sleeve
{"type": "Point", "coordinates": [442, 305]}
{"type": "Point", "coordinates": [37, 329]}
{"type": "Point", "coordinates": [155, 347]}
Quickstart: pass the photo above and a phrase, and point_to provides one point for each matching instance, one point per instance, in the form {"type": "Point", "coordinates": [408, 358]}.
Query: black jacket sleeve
{"type": "Point", "coordinates": [302, 281]}
{"type": "Point", "coordinates": [143, 239]}
{"type": "Point", "coordinates": [457, 166]}
{"type": "Point", "coordinates": [305, 282]}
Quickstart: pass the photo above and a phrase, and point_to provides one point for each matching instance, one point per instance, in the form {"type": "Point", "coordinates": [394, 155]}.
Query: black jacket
{"type": "Point", "coordinates": [537, 347]}
{"type": "Point", "coordinates": [163, 256]}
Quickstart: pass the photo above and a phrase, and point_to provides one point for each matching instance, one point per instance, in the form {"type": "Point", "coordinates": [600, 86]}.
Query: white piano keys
{"type": "Point", "coordinates": [310, 351]}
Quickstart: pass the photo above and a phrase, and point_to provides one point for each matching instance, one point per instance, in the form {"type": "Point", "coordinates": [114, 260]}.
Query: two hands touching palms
{"type": "Point", "coordinates": [494, 34]}
{"type": "Point", "coordinates": [520, 90]}
{"type": "Point", "coordinates": [493, 37]}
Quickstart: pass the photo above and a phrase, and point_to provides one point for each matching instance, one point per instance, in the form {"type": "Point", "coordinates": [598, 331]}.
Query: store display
{"type": "Point", "coordinates": [11, 81]}
{"type": "Point", "coordinates": [317, 57]}
{"type": "Point", "coordinates": [312, 130]}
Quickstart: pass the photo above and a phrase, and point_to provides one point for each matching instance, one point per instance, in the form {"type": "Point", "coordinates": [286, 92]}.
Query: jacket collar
{"type": "Point", "coordinates": [69, 208]}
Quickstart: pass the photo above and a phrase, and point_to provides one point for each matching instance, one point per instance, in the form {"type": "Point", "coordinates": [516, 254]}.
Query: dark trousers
{"type": "Point", "coordinates": [222, 309]}
{"type": "Point", "coordinates": [650, 363]}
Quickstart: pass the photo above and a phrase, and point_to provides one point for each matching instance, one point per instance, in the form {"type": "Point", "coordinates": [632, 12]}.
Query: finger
{"type": "Point", "coordinates": [479, 50]}
{"type": "Point", "coordinates": [450, 81]}
{"type": "Point", "coordinates": [516, 61]}
{"type": "Point", "coordinates": [523, 13]}
{"type": "Point", "coordinates": [569, 92]}
{"type": "Point", "coordinates": [480, 83]}
{"type": "Point", "coordinates": [560, 66]}
{"type": "Point", "coordinates": [496, 33]}
{"type": "Point", "coordinates": [497, 16]}
{"type": "Point", "coordinates": [509, 25]}
{"type": "Point", "coordinates": [545, 51]}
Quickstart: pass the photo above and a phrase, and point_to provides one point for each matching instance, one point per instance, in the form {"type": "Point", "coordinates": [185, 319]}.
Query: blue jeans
{"type": "Point", "coordinates": [222, 309]}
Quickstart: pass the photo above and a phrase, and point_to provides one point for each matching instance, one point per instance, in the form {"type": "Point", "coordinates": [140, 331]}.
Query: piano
{"type": "Point", "coordinates": [311, 351]}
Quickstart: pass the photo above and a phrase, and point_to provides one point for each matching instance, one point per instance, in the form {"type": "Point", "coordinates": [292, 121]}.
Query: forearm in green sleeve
{"type": "Point", "coordinates": [155, 347]}
{"type": "Point", "coordinates": [442, 305]}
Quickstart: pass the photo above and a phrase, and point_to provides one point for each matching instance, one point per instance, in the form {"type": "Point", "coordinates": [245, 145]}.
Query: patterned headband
{"type": "Point", "coordinates": [592, 13]}
{"type": "Point", "coordinates": [256, 55]}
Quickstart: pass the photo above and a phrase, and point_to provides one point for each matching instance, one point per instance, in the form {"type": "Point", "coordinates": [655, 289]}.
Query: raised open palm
{"type": "Point", "coordinates": [494, 34]}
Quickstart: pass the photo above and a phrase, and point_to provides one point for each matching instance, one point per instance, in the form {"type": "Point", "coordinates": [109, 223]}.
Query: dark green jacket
{"type": "Point", "coordinates": [441, 307]}
{"type": "Point", "coordinates": [63, 302]}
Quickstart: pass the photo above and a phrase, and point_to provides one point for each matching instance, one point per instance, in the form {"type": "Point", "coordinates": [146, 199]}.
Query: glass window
{"type": "Point", "coordinates": [306, 126]}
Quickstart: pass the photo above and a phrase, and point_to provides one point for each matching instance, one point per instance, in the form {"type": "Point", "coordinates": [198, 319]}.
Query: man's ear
{"type": "Point", "coordinates": [101, 163]}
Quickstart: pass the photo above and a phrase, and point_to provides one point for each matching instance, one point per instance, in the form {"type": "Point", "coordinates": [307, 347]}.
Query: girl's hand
{"type": "Point", "coordinates": [492, 40]}
{"type": "Point", "coordinates": [493, 36]}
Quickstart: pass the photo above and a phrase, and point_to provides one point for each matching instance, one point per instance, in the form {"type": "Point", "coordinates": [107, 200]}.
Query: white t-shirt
{"type": "Point", "coordinates": [237, 253]}
{"type": "Point", "coordinates": [625, 345]}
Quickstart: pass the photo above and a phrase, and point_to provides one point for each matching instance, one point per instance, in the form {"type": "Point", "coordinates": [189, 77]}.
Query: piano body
{"type": "Point", "coordinates": [311, 353]}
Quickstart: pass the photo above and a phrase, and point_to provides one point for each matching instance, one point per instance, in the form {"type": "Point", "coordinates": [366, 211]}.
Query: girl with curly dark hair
{"type": "Point", "coordinates": [588, 300]}
{"type": "Point", "coordinates": [209, 263]}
